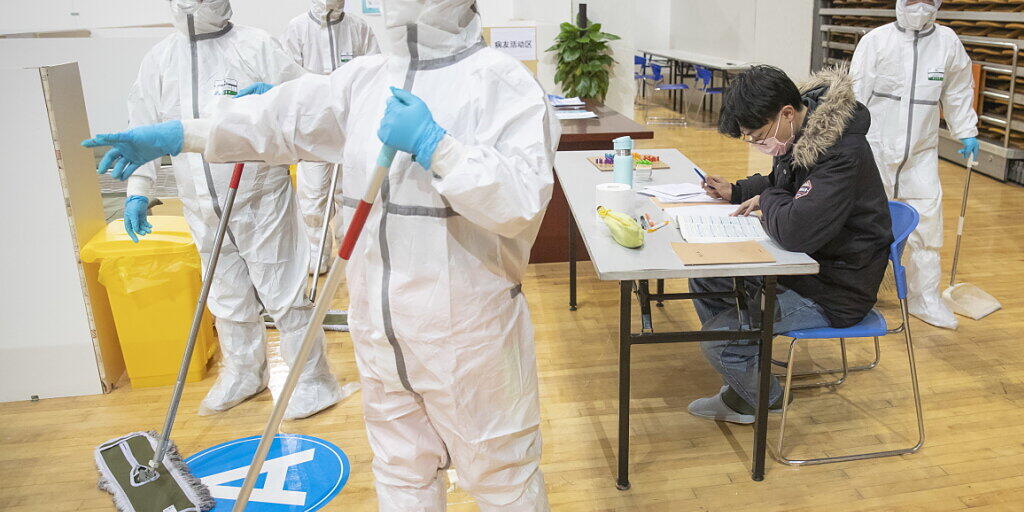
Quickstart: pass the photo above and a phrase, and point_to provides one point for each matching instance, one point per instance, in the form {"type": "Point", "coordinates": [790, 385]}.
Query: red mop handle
{"type": "Point", "coordinates": [236, 176]}
{"type": "Point", "coordinates": [355, 226]}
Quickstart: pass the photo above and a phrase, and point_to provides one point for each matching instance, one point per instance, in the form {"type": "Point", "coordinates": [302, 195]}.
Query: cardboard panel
{"type": "Point", "coordinates": [66, 107]}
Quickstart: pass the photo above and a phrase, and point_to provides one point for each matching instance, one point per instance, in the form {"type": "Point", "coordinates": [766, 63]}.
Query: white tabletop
{"type": "Point", "coordinates": [708, 61]}
{"type": "Point", "coordinates": [656, 259]}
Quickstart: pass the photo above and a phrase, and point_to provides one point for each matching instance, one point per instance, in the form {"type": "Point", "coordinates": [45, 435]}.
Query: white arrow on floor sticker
{"type": "Point", "coordinates": [273, 490]}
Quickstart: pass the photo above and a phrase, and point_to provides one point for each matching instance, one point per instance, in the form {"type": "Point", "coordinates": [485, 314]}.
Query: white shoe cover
{"type": "Point", "coordinates": [310, 398]}
{"type": "Point", "coordinates": [231, 389]}
{"type": "Point", "coordinates": [931, 309]}
{"type": "Point", "coordinates": [243, 372]}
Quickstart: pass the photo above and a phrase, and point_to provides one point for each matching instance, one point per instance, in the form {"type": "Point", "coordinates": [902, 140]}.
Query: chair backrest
{"type": "Point", "coordinates": [639, 61]}
{"type": "Point", "coordinates": [656, 69]}
{"type": "Point", "coordinates": [704, 75]}
{"type": "Point", "coordinates": [904, 222]}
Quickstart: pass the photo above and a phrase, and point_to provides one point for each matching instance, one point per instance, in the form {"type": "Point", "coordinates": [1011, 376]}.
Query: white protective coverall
{"type": "Point", "coordinates": [903, 76]}
{"type": "Point", "coordinates": [262, 264]}
{"type": "Point", "coordinates": [322, 40]}
{"type": "Point", "coordinates": [441, 329]}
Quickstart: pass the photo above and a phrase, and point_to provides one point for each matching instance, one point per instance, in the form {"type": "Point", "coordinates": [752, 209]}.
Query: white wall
{"type": "Point", "coordinates": [109, 61]}
{"type": "Point", "coordinates": [54, 15]}
{"type": "Point", "coordinates": [615, 17]}
{"type": "Point", "coordinates": [776, 32]}
{"type": "Point", "coordinates": [108, 67]}
{"type": "Point", "coordinates": [46, 348]}
{"type": "Point", "coordinates": [652, 24]}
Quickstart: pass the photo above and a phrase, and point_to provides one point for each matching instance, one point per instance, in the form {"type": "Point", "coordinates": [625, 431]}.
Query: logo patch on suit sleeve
{"type": "Point", "coordinates": [804, 189]}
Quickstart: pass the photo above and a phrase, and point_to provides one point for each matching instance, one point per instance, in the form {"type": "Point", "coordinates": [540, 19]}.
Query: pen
{"type": "Point", "coordinates": [703, 178]}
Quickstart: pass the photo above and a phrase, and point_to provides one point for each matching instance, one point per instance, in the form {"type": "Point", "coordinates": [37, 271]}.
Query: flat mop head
{"type": "Point", "coordinates": [968, 300]}
{"type": "Point", "coordinates": [137, 488]}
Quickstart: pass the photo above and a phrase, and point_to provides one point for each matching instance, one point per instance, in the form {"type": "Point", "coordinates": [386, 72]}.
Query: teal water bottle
{"type": "Point", "coordinates": [623, 160]}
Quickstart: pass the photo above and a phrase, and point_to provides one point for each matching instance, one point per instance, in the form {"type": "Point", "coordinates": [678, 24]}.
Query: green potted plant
{"type": "Point", "coordinates": [583, 60]}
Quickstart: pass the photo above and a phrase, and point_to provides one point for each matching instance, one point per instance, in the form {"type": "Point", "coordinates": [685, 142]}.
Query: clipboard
{"type": "Point", "coordinates": [722, 253]}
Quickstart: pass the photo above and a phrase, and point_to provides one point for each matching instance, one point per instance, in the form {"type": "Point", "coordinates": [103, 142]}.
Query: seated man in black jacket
{"type": "Point", "coordinates": [823, 197]}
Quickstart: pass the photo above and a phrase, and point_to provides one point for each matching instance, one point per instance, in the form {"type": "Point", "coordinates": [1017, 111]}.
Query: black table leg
{"type": "Point", "coordinates": [661, 291]}
{"type": "Point", "coordinates": [764, 376]}
{"type": "Point", "coordinates": [572, 263]}
{"type": "Point", "coordinates": [625, 317]}
{"type": "Point", "coordinates": [643, 295]}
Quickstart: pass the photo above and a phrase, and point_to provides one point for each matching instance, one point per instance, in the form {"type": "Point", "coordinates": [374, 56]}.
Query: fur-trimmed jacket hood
{"type": "Point", "coordinates": [825, 198]}
{"type": "Point", "coordinates": [832, 112]}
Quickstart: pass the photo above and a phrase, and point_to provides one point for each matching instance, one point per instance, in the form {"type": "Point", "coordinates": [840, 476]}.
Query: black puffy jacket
{"type": "Point", "coordinates": [825, 198]}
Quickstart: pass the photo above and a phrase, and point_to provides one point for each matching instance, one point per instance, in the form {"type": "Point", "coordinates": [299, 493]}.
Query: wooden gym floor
{"type": "Point", "coordinates": [972, 381]}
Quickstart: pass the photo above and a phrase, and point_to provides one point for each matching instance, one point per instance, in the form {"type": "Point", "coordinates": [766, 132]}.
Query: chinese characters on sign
{"type": "Point", "coordinates": [519, 42]}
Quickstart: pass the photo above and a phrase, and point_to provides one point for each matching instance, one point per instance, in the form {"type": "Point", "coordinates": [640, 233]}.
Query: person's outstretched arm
{"type": "Point", "coordinates": [299, 120]}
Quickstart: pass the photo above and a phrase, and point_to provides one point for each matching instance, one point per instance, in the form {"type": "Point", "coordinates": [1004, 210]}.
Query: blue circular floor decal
{"type": "Point", "coordinates": [301, 474]}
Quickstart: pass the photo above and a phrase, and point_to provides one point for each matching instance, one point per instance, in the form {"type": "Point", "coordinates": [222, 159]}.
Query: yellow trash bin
{"type": "Point", "coordinates": [153, 288]}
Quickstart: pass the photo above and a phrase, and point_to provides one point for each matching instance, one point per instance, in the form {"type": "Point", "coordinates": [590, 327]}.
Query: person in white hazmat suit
{"type": "Point", "coordinates": [185, 76]}
{"type": "Point", "coordinates": [321, 40]}
{"type": "Point", "coordinates": [441, 328]}
{"type": "Point", "coordinates": [904, 72]}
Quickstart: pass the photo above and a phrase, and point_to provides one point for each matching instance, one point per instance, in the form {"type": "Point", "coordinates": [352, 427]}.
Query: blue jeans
{"type": "Point", "coordinates": [737, 360]}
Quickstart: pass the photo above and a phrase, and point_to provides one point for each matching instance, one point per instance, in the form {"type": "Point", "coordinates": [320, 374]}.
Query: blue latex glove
{"type": "Point", "coordinates": [408, 126]}
{"type": "Point", "coordinates": [135, 224]}
{"type": "Point", "coordinates": [970, 149]}
{"type": "Point", "coordinates": [256, 88]}
{"type": "Point", "coordinates": [135, 147]}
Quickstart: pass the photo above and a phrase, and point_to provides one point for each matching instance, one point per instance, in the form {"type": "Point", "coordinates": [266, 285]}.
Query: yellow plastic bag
{"type": "Point", "coordinates": [625, 230]}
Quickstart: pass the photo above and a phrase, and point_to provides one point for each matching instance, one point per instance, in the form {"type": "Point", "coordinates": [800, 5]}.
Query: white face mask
{"type": "Point", "coordinates": [209, 15]}
{"type": "Point", "coordinates": [915, 17]}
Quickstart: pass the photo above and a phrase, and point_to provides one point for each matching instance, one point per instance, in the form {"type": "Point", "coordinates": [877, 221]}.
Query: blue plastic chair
{"type": "Point", "coordinates": [704, 77]}
{"type": "Point", "coordinates": [904, 221]}
{"type": "Point", "coordinates": [657, 80]}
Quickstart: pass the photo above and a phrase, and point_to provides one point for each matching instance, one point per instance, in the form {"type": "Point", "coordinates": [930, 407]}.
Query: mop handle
{"type": "Point", "coordinates": [325, 232]}
{"type": "Point", "coordinates": [387, 154]}
{"type": "Point", "coordinates": [320, 309]}
{"type": "Point", "coordinates": [197, 319]}
{"type": "Point", "coordinates": [960, 222]}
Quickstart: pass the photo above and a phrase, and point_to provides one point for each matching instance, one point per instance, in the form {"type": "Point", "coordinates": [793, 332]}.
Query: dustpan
{"type": "Point", "coordinates": [966, 299]}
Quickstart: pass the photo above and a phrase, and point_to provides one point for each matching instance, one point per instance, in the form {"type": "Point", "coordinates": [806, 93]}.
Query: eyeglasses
{"type": "Point", "coordinates": [749, 139]}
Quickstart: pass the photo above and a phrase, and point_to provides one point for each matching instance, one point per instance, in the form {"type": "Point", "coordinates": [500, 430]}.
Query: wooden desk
{"type": "Point", "coordinates": [578, 135]}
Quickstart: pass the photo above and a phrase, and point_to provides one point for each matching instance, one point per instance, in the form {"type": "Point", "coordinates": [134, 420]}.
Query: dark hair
{"type": "Point", "coordinates": [754, 98]}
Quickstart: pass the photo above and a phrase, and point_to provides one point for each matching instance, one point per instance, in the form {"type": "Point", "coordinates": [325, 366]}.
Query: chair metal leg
{"type": "Point", "coordinates": [677, 121]}
{"type": "Point", "coordinates": [844, 371]}
{"type": "Point", "coordinates": [861, 368]}
{"type": "Point", "coordinates": [778, 454]}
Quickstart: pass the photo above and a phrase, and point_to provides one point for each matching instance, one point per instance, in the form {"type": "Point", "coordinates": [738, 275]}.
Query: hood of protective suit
{"type": "Point", "coordinates": [431, 29]}
{"type": "Point", "coordinates": [210, 15]}
{"type": "Point", "coordinates": [917, 16]}
{"type": "Point", "coordinates": [320, 9]}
